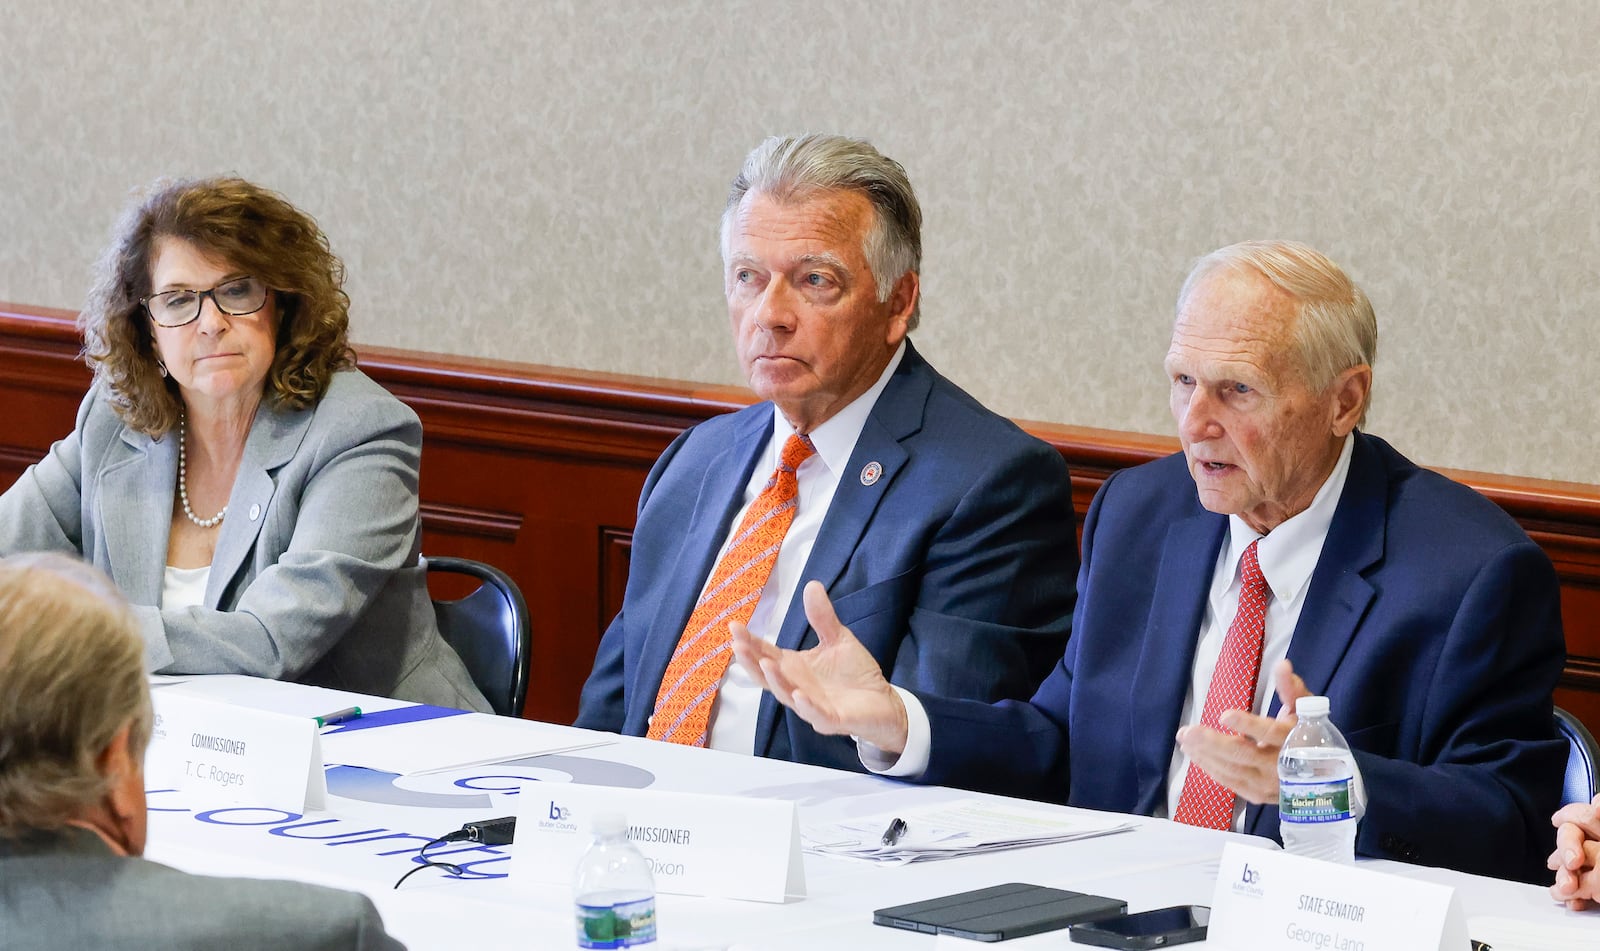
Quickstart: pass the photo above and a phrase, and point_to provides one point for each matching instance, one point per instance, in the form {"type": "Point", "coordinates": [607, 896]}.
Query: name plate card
{"type": "Point", "coordinates": [712, 846]}
{"type": "Point", "coordinates": [235, 754]}
{"type": "Point", "coordinates": [1269, 899]}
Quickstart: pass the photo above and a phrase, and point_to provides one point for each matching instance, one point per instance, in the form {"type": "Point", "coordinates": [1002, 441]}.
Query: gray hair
{"type": "Point", "coordinates": [71, 676]}
{"type": "Point", "coordinates": [1335, 328]}
{"type": "Point", "coordinates": [792, 167]}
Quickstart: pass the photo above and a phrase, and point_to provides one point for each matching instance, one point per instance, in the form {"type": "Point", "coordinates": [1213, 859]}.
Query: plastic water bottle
{"type": "Point", "coordinates": [614, 890]}
{"type": "Point", "coordinates": [1317, 812]}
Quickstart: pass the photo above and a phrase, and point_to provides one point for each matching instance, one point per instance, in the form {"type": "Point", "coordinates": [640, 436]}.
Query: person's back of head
{"type": "Point", "coordinates": [74, 702]}
{"type": "Point", "coordinates": [75, 718]}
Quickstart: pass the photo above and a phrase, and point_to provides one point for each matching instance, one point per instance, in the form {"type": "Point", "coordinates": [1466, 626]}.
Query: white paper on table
{"type": "Point", "coordinates": [471, 739]}
{"type": "Point", "coordinates": [962, 827]}
{"type": "Point", "coordinates": [1519, 934]}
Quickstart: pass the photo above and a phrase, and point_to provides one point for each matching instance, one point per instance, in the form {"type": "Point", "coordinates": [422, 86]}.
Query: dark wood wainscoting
{"type": "Point", "coordinates": [538, 470]}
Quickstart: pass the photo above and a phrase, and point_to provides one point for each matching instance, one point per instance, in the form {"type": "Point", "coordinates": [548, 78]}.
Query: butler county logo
{"type": "Point", "coordinates": [559, 819]}
{"type": "Point", "coordinates": [1249, 883]}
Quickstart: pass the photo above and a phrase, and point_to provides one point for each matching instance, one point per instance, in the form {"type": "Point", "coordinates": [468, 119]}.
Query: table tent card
{"type": "Point", "coordinates": [716, 846]}
{"type": "Point", "coordinates": [1270, 899]}
{"type": "Point", "coordinates": [235, 754]}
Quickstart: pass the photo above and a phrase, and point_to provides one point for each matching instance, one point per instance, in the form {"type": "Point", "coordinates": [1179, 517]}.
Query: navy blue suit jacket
{"type": "Point", "coordinates": [1432, 623]}
{"type": "Point", "coordinates": [954, 569]}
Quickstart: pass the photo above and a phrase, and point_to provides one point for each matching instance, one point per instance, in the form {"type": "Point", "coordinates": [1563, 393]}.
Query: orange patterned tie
{"type": "Point", "coordinates": [1205, 802]}
{"type": "Point", "coordinates": [689, 687]}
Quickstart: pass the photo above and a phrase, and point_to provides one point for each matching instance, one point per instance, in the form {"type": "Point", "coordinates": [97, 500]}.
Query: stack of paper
{"type": "Point", "coordinates": [962, 827]}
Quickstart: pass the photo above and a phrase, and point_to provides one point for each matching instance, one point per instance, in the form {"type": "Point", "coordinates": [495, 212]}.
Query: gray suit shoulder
{"type": "Point", "coordinates": [98, 424]}
{"type": "Point", "coordinates": [89, 902]}
{"type": "Point", "coordinates": [356, 409]}
{"type": "Point", "coordinates": [354, 402]}
{"type": "Point", "coordinates": [354, 392]}
{"type": "Point", "coordinates": [264, 914]}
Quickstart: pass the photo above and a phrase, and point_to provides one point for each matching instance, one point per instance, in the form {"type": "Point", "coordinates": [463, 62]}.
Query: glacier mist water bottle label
{"type": "Point", "coordinates": [626, 924]}
{"type": "Point", "coordinates": [1327, 801]}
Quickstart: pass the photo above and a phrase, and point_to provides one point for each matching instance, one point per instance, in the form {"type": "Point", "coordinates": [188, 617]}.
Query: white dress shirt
{"type": "Point", "coordinates": [1287, 557]}
{"type": "Point", "coordinates": [738, 700]}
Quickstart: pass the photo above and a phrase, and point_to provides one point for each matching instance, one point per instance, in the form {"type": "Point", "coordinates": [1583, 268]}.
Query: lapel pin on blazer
{"type": "Point", "coordinates": [871, 472]}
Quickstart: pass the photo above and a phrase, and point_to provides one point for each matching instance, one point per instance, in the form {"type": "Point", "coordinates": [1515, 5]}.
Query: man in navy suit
{"type": "Point", "coordinates": [944, 532]}
{"type": "Point", "coordinates": [1425, 614]}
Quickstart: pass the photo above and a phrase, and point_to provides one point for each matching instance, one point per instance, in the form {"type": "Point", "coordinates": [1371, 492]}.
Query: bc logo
{"type": "Point", "coordinates": [1250, 876]}
{"type": "Point", "coordinates": [557, 813]}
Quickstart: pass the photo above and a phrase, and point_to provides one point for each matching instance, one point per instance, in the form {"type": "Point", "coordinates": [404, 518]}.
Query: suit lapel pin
{"type": "Point", "coordinates": [871, 472]}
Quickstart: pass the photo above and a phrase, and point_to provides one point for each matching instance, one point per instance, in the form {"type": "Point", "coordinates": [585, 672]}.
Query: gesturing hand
{"type": "Point", "coordinates": [1246, 761]}
{"type": "Point", "coordinates": [836, 686]}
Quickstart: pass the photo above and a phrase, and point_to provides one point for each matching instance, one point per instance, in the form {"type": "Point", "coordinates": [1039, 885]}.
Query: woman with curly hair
{"type": "Point", "coordinates": [250, 491]}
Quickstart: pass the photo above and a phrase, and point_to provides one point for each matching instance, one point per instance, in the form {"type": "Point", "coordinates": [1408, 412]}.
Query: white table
{"type": "Point", "coordinates": [364, 844]}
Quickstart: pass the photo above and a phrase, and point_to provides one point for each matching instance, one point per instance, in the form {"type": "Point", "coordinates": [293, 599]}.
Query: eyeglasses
{"type": "Point", "coordinates": [236, 298]}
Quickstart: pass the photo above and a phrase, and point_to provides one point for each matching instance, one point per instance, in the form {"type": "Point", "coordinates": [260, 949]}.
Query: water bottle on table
{"type": "Point", "coordinates": [614, 890]}
{"type": "Point", "coordinates": [1317, 810]}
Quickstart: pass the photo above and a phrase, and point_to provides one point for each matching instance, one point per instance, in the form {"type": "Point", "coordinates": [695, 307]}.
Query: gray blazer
{"type": "Point", "coordinates": [316, 575]}
{"type": "Point", "coordinates": [67, 889]}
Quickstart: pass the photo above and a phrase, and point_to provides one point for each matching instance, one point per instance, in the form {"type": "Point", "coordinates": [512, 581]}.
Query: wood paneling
{"type": "Point", "coordinates": [538, 470]}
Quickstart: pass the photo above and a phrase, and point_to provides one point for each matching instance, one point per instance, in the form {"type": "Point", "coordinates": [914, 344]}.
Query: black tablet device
{"type": "Point", "coordinates": [999, 912]}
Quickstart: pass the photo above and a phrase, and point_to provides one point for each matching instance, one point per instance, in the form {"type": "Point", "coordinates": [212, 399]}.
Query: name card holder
{"type": "Point", "coordinates": [235, 754]}
{"type": "Point", "coordinates": [711, 846]}
{"type": "Point", "coordinates": [1268, 899]}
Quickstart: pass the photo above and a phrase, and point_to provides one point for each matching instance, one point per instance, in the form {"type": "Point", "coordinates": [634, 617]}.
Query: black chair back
{"type": "Point", "coordinates": [1583, 759]}
{"type": "Point", "coordinates": [489, 628]}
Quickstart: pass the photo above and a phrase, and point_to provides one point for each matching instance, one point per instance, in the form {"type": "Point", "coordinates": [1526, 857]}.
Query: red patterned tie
{"type": "Point", "coordinates": [1204, 802]}
{"type": "Point", "coordinates": [689, 687]}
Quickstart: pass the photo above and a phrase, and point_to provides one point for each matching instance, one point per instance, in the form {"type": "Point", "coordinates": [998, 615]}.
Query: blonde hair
{"type": "Point", "coordinates": [1335, 328]}
{"type": "Point", "coordinates": [71, 676]}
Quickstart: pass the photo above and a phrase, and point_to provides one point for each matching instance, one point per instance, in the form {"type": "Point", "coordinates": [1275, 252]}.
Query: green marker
{"type": "Point", "coordinates": [339, 716]}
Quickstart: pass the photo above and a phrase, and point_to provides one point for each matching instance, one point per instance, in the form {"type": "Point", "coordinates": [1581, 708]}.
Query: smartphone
{"type": "Point", "coordinates": [1161, 928]}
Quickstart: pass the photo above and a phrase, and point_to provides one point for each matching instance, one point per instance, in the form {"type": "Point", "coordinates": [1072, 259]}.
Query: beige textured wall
{"type": "Point", "coordinates": [541, 180]}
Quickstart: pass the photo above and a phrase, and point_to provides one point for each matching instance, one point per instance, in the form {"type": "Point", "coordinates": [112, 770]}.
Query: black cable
{"type": "Point", "coordinates": [422, 855]}
{"type": "Point", "coordinates": [484, 832]}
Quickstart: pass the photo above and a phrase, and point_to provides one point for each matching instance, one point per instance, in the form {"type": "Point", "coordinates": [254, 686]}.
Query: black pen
{"type": "Point", "coordinates": [897, 828]}
{"type": "Point", "coordinates": [338, 716]}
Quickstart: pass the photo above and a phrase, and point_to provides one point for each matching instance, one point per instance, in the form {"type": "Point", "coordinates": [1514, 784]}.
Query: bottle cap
{"type": "Point", "coordinates": [1311, 707]}
{"type": "Point", "coordinates": [609, 823]}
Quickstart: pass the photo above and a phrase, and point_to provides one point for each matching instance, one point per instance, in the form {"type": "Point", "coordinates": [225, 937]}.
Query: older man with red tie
{"type": "Point", "coordinates": [1283, 548]}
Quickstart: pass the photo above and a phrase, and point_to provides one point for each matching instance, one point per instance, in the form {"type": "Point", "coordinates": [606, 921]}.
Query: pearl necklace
{"type": "Point", "coordinates": [183, 481]}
